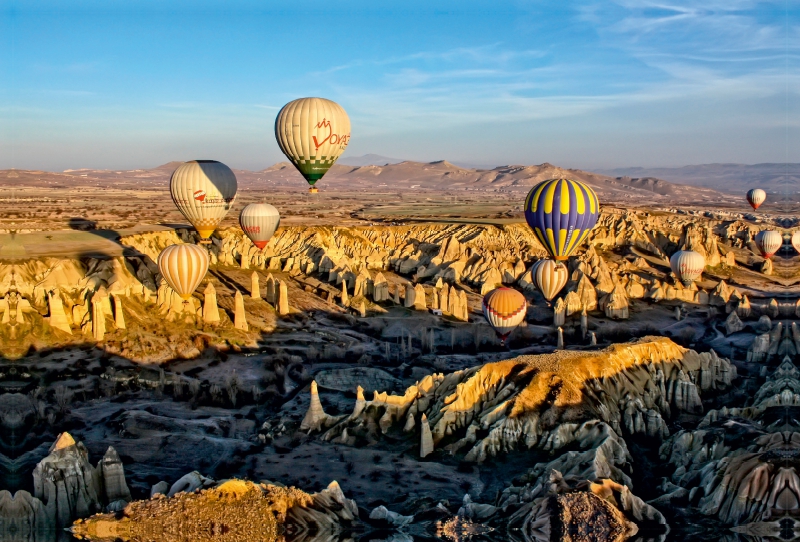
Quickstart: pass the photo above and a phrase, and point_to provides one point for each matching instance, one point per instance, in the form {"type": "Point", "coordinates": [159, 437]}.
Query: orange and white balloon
{"type": "Point", "coordinates": [768, 242]}
{"type": "Point", "coordinates": [550, 277]}
{"type": "Point", "coordinates": [796, 240]}
{"type": "Point", "coordinates": [183, 267]}
{"type": "Point", "coordinates": [504, 309]}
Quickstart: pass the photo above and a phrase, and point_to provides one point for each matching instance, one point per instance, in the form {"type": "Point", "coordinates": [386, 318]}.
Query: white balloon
{"type": "Point", "coordinates": [259, 222]}
{"type": "Point", "coordinates": [768, 242]}
{"type": "Point", "coordinates": [687, 265]}
{"type": "Point", "coordinates": [550, 277]}
{"type": "Point", "coordinates": [756, 197]}
{"type": "Point", "coordinates": [204, 192]}
{"type": "Point", "coordinates": [183, 267]}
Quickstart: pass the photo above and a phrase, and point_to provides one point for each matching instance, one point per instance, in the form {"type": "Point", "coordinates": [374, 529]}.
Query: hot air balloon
{"type": "Point", "coordinates": [183, 267]}
{"type": "Point", "coordinates": [796, 240]}
{"type": "Point", "coordinates": [756, 197]}
{"type": "Point", "coordinates": [259, 222]}
{"type": "Point", "coordinates": [687, 265]}
{"type": "Point", "coordinates": [768, 242]}
{"type": "Point", "coordinates": [203, 191]}
{"type": "Point", "coordinates": [505, 309]}
{"type": "Point", "coordinates": [561, 213]}
{"type": "Point", "coordinates": [550, 277]}
{"type": "Point", "coordinates": [312, 133]}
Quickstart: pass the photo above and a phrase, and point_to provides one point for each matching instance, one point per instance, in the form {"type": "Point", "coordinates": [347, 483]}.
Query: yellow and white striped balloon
{"type": "Point", "coordinates": [183, 267]}
{"type": "Point", "coordinates": [204, 192]}
{"type": "Point", "coordinates": [312, 133]}
{"type": "Point", "coordinates": [550, 277]}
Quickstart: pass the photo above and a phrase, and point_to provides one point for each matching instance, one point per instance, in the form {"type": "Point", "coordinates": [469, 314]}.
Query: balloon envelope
{"type": "Point", "coordinates": [203, 191]}
{"type": "Point", "coordinates": [504, 309]}
{"type": "Point", "coordinates": [259, 222]}
{"type": "Point", "coordinates": [550, 277]}
{"type": "Point", "coordinates": [756, 197]}
{"type": "Point", "coordinates": [687, 265]}
{"type": "Point", "coordinates": [768, 242]}
{"type": "Point", "coordinates": [796, 240]}
{"type": "Point", "coordinates": [312, 133]}
{"type": "Point", "coordinates": [183, 267]}
{"type": "Point", "coordinates": [561, 213]}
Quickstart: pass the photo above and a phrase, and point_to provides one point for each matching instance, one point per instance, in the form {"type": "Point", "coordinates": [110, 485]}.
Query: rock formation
{"type": "Point", "coordinates": [119, 316]}
{"type": "Point", "coordinates": [68, 487]}
{"type": "Point", "coordinates": [210, 308]}
{"type": "Point", "coordinates": [419, 298]}
{"type": "Point", "coordinates": [58, 318]}
{"type": "Point", "coordinates": [559, 313]}
{"type": "Point", "coordinates": [99, 300]}
{"type": "Point", "coordinates": [731, 464]}
{"type": "Point", "coordinates": [315, 418]}
{"type": "Point", "coordinates": [733, 324]}
{"type": "Point", "coordinates": [283, 298]}
{"type": "Point", "coordinates": [511, 414]}
{"type": "Point", "coordinates": [255, 287]}
{"type": "Point", "coordinates": [380, 288]}
{"type": "Point", "coordinates": [272, 292]}
{"type": "Point", "coordinates": [617, 304]}
{"type": "Point", "coordinates": [233, 510]}
{"type": "Point", "coordinates": [426, 438]}
{"type": "Point", "coordinates": [239, 314]}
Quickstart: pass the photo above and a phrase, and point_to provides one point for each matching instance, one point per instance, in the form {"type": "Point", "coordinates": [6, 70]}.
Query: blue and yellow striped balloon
{"type": "Point", "coordinates": [561, 213]}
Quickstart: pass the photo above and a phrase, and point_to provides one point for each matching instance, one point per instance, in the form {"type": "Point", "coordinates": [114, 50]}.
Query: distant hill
{"type": "Point", "coordinates": [367, 160]}
{"type": "Point", "coordinates": [407, 176]}
{"type": "Point", "coordinates": [446, 177]}
{"type": "Point", "coordinates": [730, 178]}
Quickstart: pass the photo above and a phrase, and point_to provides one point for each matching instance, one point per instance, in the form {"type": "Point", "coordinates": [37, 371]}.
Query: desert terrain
{"type": "Point", "coordinates": [344, 383]}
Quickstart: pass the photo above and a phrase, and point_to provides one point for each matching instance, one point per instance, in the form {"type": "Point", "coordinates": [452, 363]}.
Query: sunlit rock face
{"type": "Point", "coordinates": [231, 511]}
{"type": "Point", "coordinates": [567, 398]}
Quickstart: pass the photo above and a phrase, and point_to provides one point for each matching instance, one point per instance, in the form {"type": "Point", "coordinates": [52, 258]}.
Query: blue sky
{"type": "Point", "coordinates": [126, 84]}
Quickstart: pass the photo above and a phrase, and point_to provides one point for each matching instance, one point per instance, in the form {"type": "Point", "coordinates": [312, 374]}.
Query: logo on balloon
{"type": "Point", "coordinates": [333, 139]}
{"type": "Point", "coordinates": [200, 195]}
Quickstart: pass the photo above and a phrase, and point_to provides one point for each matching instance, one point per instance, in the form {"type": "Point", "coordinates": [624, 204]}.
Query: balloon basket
{"type": "Point", "coordinates": [313, 190]}
{"type": "Point", "coordinates": [204, 242]}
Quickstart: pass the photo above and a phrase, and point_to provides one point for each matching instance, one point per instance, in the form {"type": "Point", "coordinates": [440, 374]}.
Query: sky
{"type": "Point", "coordinates": [122, 84]}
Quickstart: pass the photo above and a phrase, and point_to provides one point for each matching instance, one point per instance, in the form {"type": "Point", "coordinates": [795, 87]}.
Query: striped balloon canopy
{"type": "Point", "coordinates": [504, 309]}
{"type": "Point", "coordinates": [183, 267]}
{"type": "Point", "coordinates": [561, 213]}
{"type": "Point", "coordinates": [768, 242]}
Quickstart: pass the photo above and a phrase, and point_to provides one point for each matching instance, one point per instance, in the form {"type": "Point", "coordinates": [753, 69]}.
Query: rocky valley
{"type": "Point", "coordinates": [343, 382]}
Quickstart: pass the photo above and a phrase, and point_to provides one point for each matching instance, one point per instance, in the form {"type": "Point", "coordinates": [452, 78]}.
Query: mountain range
{"type": "Point", "coordinates": [774, 178]}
